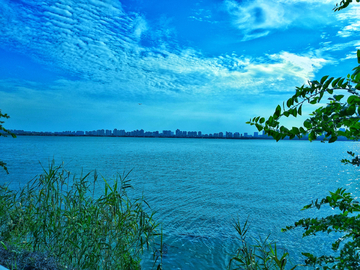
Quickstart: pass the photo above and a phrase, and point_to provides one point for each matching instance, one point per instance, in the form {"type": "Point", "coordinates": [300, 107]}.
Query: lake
{"type": "Point", "coordinates": [199, 186]}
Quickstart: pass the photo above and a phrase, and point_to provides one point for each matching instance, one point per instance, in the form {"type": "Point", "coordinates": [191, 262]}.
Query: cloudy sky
{"type": "Point", "coordinates": [204, 65]}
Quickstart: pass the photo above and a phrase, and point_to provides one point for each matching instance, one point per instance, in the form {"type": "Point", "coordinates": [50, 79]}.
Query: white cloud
{"type": "Point", "coordinates": [258, 18]}
{"type": "Point", "coordinates": [105, 52]}
{"type": "Point", "coordinates": [350, 17]}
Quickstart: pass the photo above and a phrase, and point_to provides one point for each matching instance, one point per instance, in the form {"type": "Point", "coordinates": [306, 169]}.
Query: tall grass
{"type": "Point", "coordinates": [57, 213]}
{"type": "Point", "coordinates": [257, 253]}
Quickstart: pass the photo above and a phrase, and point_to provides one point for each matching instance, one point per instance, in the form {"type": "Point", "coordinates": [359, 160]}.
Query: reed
{"type": "Point", "coordinates": [257, 253]}
{"type": "Point", "coordinates": [57, 213]}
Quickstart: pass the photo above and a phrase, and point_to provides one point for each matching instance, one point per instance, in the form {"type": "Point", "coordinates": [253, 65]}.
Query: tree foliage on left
{"type": "Point", "coordinates": [4, 132]}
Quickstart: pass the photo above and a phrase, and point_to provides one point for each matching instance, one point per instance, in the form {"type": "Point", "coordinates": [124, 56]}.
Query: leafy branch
{"type": "Point", "coordinates": [325, 120]}
{"type": "Point", "coordinates": [345, 222]}
{"type": "Point", "coordinates": [337, 118]}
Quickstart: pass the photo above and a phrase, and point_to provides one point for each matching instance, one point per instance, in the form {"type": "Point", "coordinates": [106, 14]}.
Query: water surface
{"type": "Point", "coordinates": [198, 186]}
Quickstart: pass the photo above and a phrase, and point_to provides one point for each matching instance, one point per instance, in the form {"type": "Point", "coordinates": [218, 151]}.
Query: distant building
{"type": "Point", "coordinates": [256, 134]}
{"type": "Point", "coordinates": [192, 134]}
{"type": "Point", "coordinates": [167, 133]}
{"type": "Point", "coordinates": [236, 135]}
{"type": "Point", "coordinates": [221, 135]}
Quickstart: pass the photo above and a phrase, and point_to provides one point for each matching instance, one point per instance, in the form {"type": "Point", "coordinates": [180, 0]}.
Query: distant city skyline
{"type": "Point", "coordinates": [142, 133]}
{"type": "Point", "coordinates": [157, 134]}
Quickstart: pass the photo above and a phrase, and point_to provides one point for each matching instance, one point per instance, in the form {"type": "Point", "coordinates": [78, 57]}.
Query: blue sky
{"type": "Point", "coordinates": [193, 65]}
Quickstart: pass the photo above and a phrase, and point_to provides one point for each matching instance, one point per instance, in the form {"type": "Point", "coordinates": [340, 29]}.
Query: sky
{"type": "Point", "coordinates": [193, 65]}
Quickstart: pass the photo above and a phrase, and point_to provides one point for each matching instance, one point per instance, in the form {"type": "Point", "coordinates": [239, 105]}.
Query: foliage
{"type": "Point", "coordinates": [347, 222]}
{"type": "Point", "coordinates": [58, 214]}
{"type": "Point", "coordinates": [325, 120]}
{"type": "Point", "coordinates": [263, 255]}
{"type": "Point", "coordinates": [4, 132]}
{"type": "Point", "coordinates": [339, 112]}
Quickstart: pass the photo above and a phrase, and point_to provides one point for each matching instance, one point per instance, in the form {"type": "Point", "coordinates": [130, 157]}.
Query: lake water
{"type": "Point", "coordinates": [198, 186]}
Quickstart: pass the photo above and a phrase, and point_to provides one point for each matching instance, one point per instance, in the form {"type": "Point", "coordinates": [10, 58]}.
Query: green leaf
{"type": "Point", "coordinates": [294, 112]}
{"type": "Point", "coordinates": [307, 124]}
{"type": "Point", "coordinates": [335, 82]}
{"type": "Point", "coordinates": [332, 139]}
{"type": "Point", "coordinates": [259, 127]}
{"type": "Point", "coordinates": [312, 135]}
{"type": "Point", "coordinates": [295, 130]}
{"type": "Point", "coordinates": [338, 97]}
{"type": "Point", "coordinates": [300, 110]}
{"type": "Point", "coordinates": [351, 99]}
{"type": "Point", "coordinates": [262, 120]}
{"type": "Point", "coordinates": [351, 110]}
{"type": "Point", "coordinates": [340, 82]}
{"type": "Point", "coordinates": [323, 79]}
{"type": "Point", "coordinates": [357, 77]}
{"type": "Point", "coordinates": [327, 83]}
{"type": "Point", "coordinates": [358, 56]}
{"type": "Point", "coordinates": [277, 112]}
{"type": "Point", "coordinates": [289, 102]}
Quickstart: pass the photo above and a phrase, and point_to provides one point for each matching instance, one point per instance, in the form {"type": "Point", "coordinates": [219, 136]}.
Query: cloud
{"type": "Point", "coordinates": [203, 15]}
{"type": "Point", "coordinates": [258, 18]}
{"type": "Point", "coordinates": [102, 45]}
{"type": "Point", "coordinates": [350, 17]}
